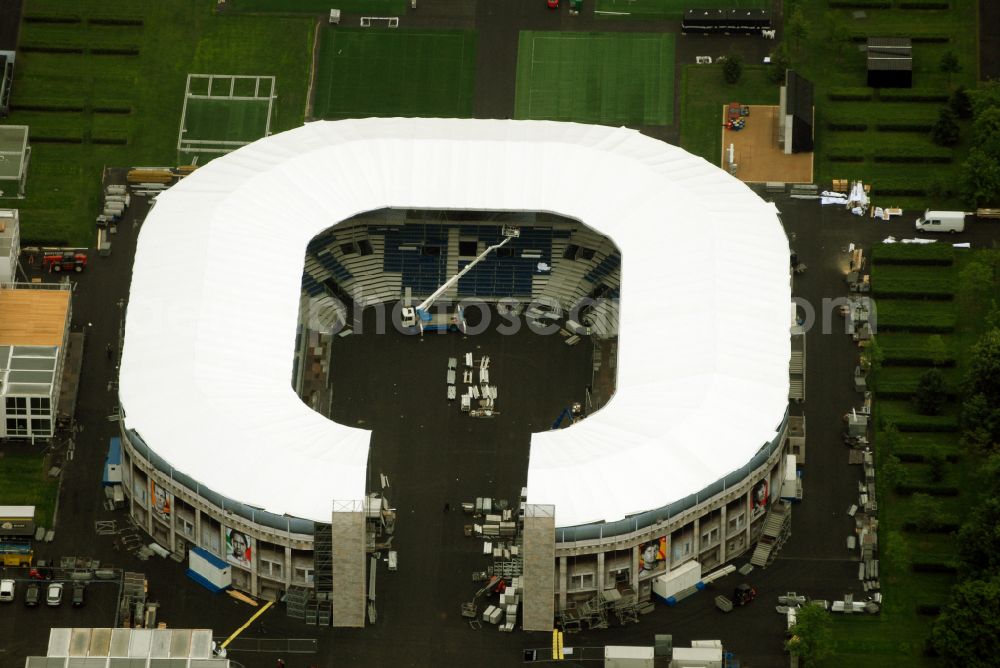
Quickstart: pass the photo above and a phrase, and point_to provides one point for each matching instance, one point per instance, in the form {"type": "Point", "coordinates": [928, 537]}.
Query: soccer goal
{"type": "Point", "coordinates": [391, 21]}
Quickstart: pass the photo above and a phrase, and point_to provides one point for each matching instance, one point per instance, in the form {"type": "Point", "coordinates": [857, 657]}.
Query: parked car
{"type": "Point", "coordinates": [54, 595]}
{"type": "Point", "coordinates": [6, 591]}
{"type": "Point", "coordinates": [78, 589]}
{"type": "Point", "coordinates": [31, 595]}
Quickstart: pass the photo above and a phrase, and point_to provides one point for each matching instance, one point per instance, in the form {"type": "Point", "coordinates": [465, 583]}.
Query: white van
{"type": "Point", "coordinates": [941, 221]}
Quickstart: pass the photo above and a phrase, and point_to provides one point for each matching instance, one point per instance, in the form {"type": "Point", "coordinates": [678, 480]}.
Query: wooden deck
{"type": "Point", "coordinates": [33, 317]}
{"type": "Point", "coordinates": [758, 157]}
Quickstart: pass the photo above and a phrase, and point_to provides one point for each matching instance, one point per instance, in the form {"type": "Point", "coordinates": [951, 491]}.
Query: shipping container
{"type": "Point", "coordinates": [683, 577]}
{"type": "Point", "coordinates": [208, 570]}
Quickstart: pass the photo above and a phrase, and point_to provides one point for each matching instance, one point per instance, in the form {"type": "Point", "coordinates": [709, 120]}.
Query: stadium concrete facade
{"type": "Point", "coordinates": [706, 484]}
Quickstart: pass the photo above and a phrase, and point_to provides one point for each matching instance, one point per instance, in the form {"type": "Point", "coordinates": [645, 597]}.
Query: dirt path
{"type": "Point", "coordinates": [989, 40]}
{"type": "Point", "coordinates": [312, 70]}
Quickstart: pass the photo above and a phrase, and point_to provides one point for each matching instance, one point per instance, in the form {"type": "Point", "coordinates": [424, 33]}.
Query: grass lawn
{"type": "Point", "coordinates": [672, 9]}
{"type": "Point", "coordinates": [703, 93]}
{"type": "Point", "coordinates": [366, 72]}
{"type": "Point", "coordinates": [596, 78]}
{"type": "Point", "coordinates": [135, 99]}
{"type": "Point", "coordinates": [889, 132]}
{"type": "Point", "coordinates": [24, 482]}
{"type": "Point", "coordinates": [366, 7]}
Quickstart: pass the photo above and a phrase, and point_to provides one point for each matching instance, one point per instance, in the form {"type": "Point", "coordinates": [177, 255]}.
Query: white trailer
{"type": "Point", "coordinates": [209, 570]}
{"type": "Point", "coordinates": [626, 656]}
{"type": "Point", "coordinates": [668, 585]}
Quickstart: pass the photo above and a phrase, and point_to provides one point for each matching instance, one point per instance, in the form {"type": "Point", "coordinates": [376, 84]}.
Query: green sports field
{"type": "Point", "coordinates": [381, 72]}
{"type": "Point", "coordinates": [610, 78]}
{"type": "Point", "coordinates": [671, 9]}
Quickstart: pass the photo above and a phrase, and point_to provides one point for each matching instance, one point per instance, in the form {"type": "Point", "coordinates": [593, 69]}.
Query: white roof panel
{"type": "Point", "coordinates": [703, 352]}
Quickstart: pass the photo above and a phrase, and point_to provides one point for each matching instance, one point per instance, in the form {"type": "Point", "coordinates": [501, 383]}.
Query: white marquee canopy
{"type": "Point", "coordinates": [703, 350]}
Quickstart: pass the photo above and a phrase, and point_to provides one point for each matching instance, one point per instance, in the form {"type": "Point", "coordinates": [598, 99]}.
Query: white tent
{"type": "Point", "coordinates": [703, 352]}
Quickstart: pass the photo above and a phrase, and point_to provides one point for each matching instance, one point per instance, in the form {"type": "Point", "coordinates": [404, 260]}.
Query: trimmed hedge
{"type": "Point", "coordinates": [938, 423]}
{"type": "Point", "coordinates": [846, 126]}
{"type": "Point", "coordinates": [914, 154]}
{"type": "Point", "coordinates": [860, 4]}
{"type": "Point", "coordinates": [944, 527]}
{"type": "Point", "coordinates": [39, 48]}
{"type": "Point", "coordinates": [861, 36]}
{"type": "Point", "coordinates": [899, 188]}
{"type": "Point", "coordinates": [68, 105]}
{"type": "Point", "coordinates": [903, 127]}
{"type": "Point", "coordinates": [923, 4]}
{"type": "Point", "coordinates": [933, 567]}
{"type": "Point", "coordinates": [907, 489]}
{"type": "Point", "coordinates": [919, 458]}
{"type": "Point", "coordinates": [918, 254]}
{"type": "Point", "coordinates": [65, 138]}
{"type": "Point", "coordinates": [928, 609]}
{"type": "Point", "coordinates": [849, 94]}
{"type": "Point", "coordinates": [912, 95]}
{"type": "Point", "coordinates": [846, 153]}
{"type": "Point", "coordinates": [113, 21]}
{"type": "Point", "coordinates": [115, 51]}
{"type": "Point", "coordinates": [52, 18]}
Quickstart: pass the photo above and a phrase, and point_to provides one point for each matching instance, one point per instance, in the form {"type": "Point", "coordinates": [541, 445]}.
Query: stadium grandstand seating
{"type": "Point", "coordinates": [368, 261]}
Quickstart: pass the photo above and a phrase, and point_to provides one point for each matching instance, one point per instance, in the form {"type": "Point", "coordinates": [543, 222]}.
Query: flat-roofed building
{"type": "Point", "coordinates": [34, 331]}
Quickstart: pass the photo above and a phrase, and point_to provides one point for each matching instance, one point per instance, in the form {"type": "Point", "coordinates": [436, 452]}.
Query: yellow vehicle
{"type": "Point", "coordinates": [16, 553]}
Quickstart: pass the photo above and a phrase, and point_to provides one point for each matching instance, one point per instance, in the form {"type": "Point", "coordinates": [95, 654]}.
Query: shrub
{"type": "Point", "coordinates": [936, 463]}
{"type": "Point", "coordinates": [928, 609]}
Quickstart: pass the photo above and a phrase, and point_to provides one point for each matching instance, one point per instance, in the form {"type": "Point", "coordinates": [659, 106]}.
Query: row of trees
{"type": "Point", "coordinates": [967, 632]}
{"type": "Point", "coordinates": [981, 170]}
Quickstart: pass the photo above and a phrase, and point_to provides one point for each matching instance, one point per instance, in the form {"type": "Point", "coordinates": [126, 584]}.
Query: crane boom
{"type": "Point", "coordinates": [410, 314]}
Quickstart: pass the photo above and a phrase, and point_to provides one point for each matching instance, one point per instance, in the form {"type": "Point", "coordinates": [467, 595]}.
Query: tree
{"type": "Point", "coordinates": [732, 68]}
{"type": "Point", "coordinates": [931, 392]}
{"type": "Point", "coordinates": [981, 178]}
{"type": "Point", "coordinates": [984, 366]}
{"type": "Point", "coordinates": [967, 633]}
{"type": "Point", "coordinates": [944, 131]}
{"type": "Point", "coordinates": [797, 27]}
{"type": "Point", "coordinates": [812, 635]}
{"type": "Point", "coordinates": [780, 61]}
{"type": "Point", "coordinates": [937, 350]}
{"type": "Point", "coordinates": [979, 540]}
{"type": "Point", "coordinates": [950, 65]}
{"type": "Point", "coordinates": [961, 103]}
{"type": "Point", "coordinates": [936, 461]}
{"type": "Point", "coordinates": [838, 31]}
{"type": "Point", "coordinates": [892, 471]}
{"type": "Point", "coordinates": [927, 515]}
{"type": "Point", "coordinates": [980, 424]}
{"type": "Point", "coordinates": [986, 131]}
{"type": "Point", "coordinates": [976, 287]}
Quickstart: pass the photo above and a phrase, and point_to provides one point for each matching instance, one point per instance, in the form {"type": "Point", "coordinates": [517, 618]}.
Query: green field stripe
{"type": "Point", "coordinates": [595, 78]}
{"type": "Point", "coordinates": [411, 73]}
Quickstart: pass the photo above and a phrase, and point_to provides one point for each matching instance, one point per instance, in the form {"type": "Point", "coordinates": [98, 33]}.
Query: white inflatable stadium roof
{"type": "Point", "coordinates": [704, 343]}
